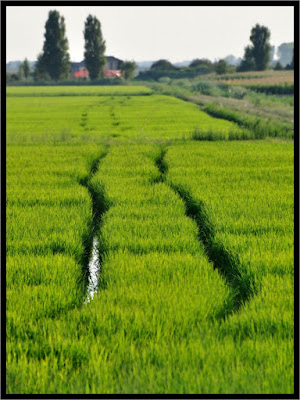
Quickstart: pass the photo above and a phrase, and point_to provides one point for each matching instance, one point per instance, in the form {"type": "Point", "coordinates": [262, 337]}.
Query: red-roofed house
{"type": "Point", "coordinates": [111, 68]}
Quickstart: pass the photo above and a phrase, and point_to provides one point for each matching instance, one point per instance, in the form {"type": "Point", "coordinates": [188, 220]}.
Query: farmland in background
{"type": "Point", "coordinates": [267, 77]}
{"type": "Point", "coordinates": [98, 118]}
{"type": "Point", "coordinates": [194, 240]}
{"type": "Point", "coordinates": [55, 91]}
{"type": "Point", "coordinates": [260, 101]}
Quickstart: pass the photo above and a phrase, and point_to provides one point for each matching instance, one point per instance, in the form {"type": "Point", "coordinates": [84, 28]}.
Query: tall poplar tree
{"type": "Point", "coordinates": [26, 68]}
{"type": "Point", "coordinates": [55, 58]}
{"type": "Point", "coordinates": [260, 36]}
{"type": "Point", "coordinates": [257, 56]}
{"type": "Point", "coordinates": [94, 47]}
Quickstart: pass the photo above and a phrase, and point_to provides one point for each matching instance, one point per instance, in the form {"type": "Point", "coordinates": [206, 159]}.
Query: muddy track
{"type": "Point", "coordinates": [228, 264]}
{"type": "Point", "coordinates": [93, 251]}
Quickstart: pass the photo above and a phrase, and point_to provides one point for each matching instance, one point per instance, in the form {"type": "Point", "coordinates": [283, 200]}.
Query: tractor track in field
{"type": "Point", "coordinates": [228, 264]}
{"type": "Point", "coordinates": [93, 249]}
{"type": "Point", "coordinates": [84, 121]}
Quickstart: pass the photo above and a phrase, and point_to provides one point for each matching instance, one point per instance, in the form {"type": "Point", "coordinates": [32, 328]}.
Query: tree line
{"type": "Point", "coordinates": [256, 58]}
{"type": "Point", "coordinates": [54, 61]}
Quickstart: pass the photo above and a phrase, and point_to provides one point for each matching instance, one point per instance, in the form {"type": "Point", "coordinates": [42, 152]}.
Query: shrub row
{"type": "Point", "coordinates": [273, 89]}
{"type": "Point", "coordinates": [260, 128]}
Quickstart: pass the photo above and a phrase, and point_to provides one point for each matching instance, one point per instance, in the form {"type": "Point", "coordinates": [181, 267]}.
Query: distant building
{"type": "Point", "coordinates": [111, 68]}
{"type": "Point", "coordinates": [78, 69]}
{"type": "Point", "coordinates": [112, 63]}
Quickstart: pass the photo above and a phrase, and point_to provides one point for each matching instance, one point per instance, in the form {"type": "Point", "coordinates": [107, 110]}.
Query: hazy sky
{"type": "Point", "coordinates": [142, 33]}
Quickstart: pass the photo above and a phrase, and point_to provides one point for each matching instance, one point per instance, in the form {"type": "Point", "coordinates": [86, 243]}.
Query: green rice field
{"type": "Point", "coordinates": [140, 260]}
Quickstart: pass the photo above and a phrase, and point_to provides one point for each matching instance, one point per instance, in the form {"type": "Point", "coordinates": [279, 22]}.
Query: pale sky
{"type": "Point", "coordinates": [143, 33]}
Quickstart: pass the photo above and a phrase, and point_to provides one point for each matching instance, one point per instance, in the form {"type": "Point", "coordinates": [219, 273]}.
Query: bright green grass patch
{"type": "Point", "coordinates": [154, 325]}
{"type": "Point", "coordinates": [247, 191]}
{"type": "Point", "coordinates": [49, 224]}
{"type": "Point", "coordinates": [85, 119]}
{"type": "Point", "coordinates": [17, 91]}
{"type": "Point", "coordinates": [158, 294]}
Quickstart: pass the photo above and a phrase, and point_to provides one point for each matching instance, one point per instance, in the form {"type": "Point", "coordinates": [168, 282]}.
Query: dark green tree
{"type": "Point", "coordinates": [14, 77]}
{"type": "Point", "coordinates": [94, 48]}
{"type": "Point", "coordinates": [40, 69]}
{"type": "Point", "coordinates": [257, 56]}
{"type": "Point", "coordinates": [221, 67]}
{"type": "Point", "coordinates": [248, 62]}
{"type": "Point", "coordinates": [128, 68]}
{"type": "Point", "coordinates": [163, 65]}
{"type": "Point", "coordinates": [278, 67]}
{"type": "Point", "coordinates": [21, 71]}
{"type": "Point", "coordinates": [200, 63]}
{"type": "Point", "coordinates": [55, 58]}
{"type": "Point", "coordinates": [260, 36]}
{"type": "Point", "coordinates": [26, 68]}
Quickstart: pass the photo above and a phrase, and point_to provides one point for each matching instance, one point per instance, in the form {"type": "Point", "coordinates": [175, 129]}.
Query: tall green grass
{"type": "Point", "coordinates": [195, 241]}
{"type": "Point", "coordinates": [158, 294]}
{"type": "Point", "coordinates": [249, 198]}
{"type": "Point", "coordinates": [282, 89]}
{"type": "Point", "coordinates": [32, 91]}
{"type": "Point", "coordinates": [101, 118]}
{"type": "Point", "coordinates": [49, 223]}
{"type": "Point", "coordinates": [271, 116]}
{"type": "Point", "coordinates": [155, 325]}
{"type": "Point", "coordinates": [256, 128]}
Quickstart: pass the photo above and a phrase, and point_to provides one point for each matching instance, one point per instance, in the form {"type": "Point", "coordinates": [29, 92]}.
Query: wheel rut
{"type": "Point", "coordinates": [241, 285]}
{"type": "Point", "coordinates": [93, 251]}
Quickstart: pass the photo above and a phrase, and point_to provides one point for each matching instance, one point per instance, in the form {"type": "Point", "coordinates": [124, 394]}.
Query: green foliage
{"type": "Point", "coordinates": [57, 91]}
{"type": "Point", "coordinates": [160, 305]}
{"type": "Point", "coordinates": [94, 47]}
{"type": "Point", "coordinates": [221, 67]}
{"type": "Point", "coordinates": [259, 128]}
{"type": "Point", "coordinates": [163, 65]}
{"type": "Point", "coordinates": [21, 71]}
{"type": "Point", "coordinates": [200, 63]}
{"type": "Point", "coordinates": [257, 56]}
{"type": "Point", "coordinates": [233, 182]}
{"type": "Point", "coordinates": [278, 67]}
{"type": "Point", "coordinates": [44, 80]}
{"type": "Point", "coordinates": [172, 74]}
{"type": "Point", "coordinates": [165, 86]}
{"type": "Point", "coordinates": [282, 89]}
{"type": "Point", "coordinates": [229, 77]}
{"type": "Point", "coordinates": [248, 62]}
{"type": "Point", "coordinates": [164, 68]}
{"type": "Point", "coordinates": [96, 118]}
{"type": "Point", "coordinates": [55, 59]}
{"type": "Point", "coordinates": [260, 36]}
{"type": "Point", "coordinates": [26, 68]}
{"type": "Point", "coordinates": [207, 88]}
{"type": "Point", "coordinates": [40, 72]}
{"type": "Point", "coordinates": [247, 103]}
{"type": "Point", "coordinates": [128, 68]}
{"type": "Point", "coordinates": [195, 242]}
